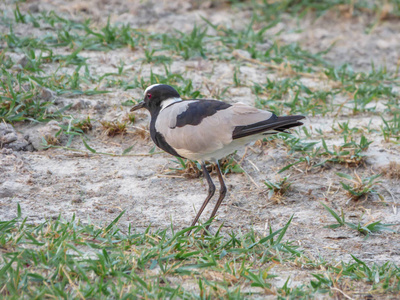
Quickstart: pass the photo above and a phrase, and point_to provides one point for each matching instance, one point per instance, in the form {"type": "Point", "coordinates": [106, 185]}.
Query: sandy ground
{"type": "Point", "coordinates": [98, 187]}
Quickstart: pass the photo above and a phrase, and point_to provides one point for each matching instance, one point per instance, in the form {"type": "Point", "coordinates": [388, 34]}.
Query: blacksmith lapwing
{"type": "Point", "coordinates": [206, 130]}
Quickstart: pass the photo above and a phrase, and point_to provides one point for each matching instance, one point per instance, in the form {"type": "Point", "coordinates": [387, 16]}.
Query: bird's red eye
{"type": "Point", "coordinates": [148, 95]}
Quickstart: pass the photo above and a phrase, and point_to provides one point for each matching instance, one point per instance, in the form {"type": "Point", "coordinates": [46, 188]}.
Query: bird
{"type": "Point", "coordinates": [207, 130]}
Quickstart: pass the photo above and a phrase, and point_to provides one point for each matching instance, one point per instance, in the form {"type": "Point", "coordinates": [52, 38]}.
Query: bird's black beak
{"type": "Point", "coordinates": [138, 106]}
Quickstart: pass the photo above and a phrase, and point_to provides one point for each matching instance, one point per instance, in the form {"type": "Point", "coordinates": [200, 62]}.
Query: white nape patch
{"type": "Point", "coordinates": [164, 104]}
{"type": "Point", "coordinates": [150, 87]}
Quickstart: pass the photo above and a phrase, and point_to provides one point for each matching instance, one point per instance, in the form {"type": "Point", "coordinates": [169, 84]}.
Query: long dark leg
{"type": "Point", "coordinates": [211, 191]}
{"type": "Point", "coordinates": [222, 193]}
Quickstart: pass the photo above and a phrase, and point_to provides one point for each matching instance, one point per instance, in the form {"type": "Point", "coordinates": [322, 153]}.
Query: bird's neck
{"type": "Point", "coordinates": [158, 138]}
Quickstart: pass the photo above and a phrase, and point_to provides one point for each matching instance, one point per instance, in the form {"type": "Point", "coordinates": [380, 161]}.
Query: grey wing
{"type": "Point", "coordinates": [212, 134]}
{"type": "Point", "coordinates": [243, 115]}
{"type": "Point", "coordinates": [191, 141]}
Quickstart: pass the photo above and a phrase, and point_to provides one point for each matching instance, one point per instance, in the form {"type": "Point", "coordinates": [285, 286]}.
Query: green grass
{"type": "Point", "coordinates": [59, 257]}
{"type": "Point", "coordinates": [186, 45]}
{"type": "Point", "coordinates": [366, 228]}
{"type": "Point", "coordinates": [391, 128]}
{"type": "Point", "coordinates": [66, 259]}
{"type": "Point", "coordinates": [278, 188]}
{"type": "Point", "coordinates": [288, 95]}
{"type": "Point", "coordinates": [360, 187]}
{"type": "Point", "coordinates": [316, 154]}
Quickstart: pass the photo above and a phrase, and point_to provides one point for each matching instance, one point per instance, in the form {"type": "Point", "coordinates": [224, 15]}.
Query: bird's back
{"type": "Point", "coordinates": [197, 128]}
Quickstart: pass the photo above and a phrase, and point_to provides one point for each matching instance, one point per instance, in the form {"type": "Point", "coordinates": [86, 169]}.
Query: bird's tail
{"type": "Point", "coordinates": [275, 123]}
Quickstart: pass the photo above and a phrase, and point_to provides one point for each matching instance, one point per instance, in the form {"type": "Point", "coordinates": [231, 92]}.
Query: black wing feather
{"type": "Point", "coordinates": [197, 111]}
{"type": "Point", "coordinates": [273, 123]}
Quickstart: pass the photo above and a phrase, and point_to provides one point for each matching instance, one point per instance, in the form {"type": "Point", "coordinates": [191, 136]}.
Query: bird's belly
{"type": "Point", "coordinates": [216, 154]}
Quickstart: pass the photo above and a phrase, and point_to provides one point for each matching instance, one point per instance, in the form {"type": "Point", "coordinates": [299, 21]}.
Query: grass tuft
{"type": "Point", "coordinates": [278, 189]}
{"type": "Point", "coordinates": [187, 168]}
{"type": "Point", "coordinates": [363, 228]}
{"type": "Point", "coordinates": [113, 128]}
{"type": "Point", "coordinates": [361, 187]}
{"type": "Point", "coordinates": [392, 170]}
{"type": "Point", "coordinates": [85, 125]}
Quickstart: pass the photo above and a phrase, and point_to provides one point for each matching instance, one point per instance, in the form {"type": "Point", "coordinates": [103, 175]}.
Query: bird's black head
{"type": "Point", "coordinates": [155, 95]}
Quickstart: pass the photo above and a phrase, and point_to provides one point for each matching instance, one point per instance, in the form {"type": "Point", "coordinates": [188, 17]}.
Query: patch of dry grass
{"type": "Point", "coordinates": [52, 140]}
{"type": "Point", "coordinates": [84, 125]}
{"type": "Point", "coordinates": [142, 132]}
{"type": "Point", "coordinates": [113, 128]}
{"type": "Point", "coordinates": [392, 170]}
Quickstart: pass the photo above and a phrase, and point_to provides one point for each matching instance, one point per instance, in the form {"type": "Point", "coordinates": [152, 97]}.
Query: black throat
{"type": "Point", "coordinates": [157, 137]}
